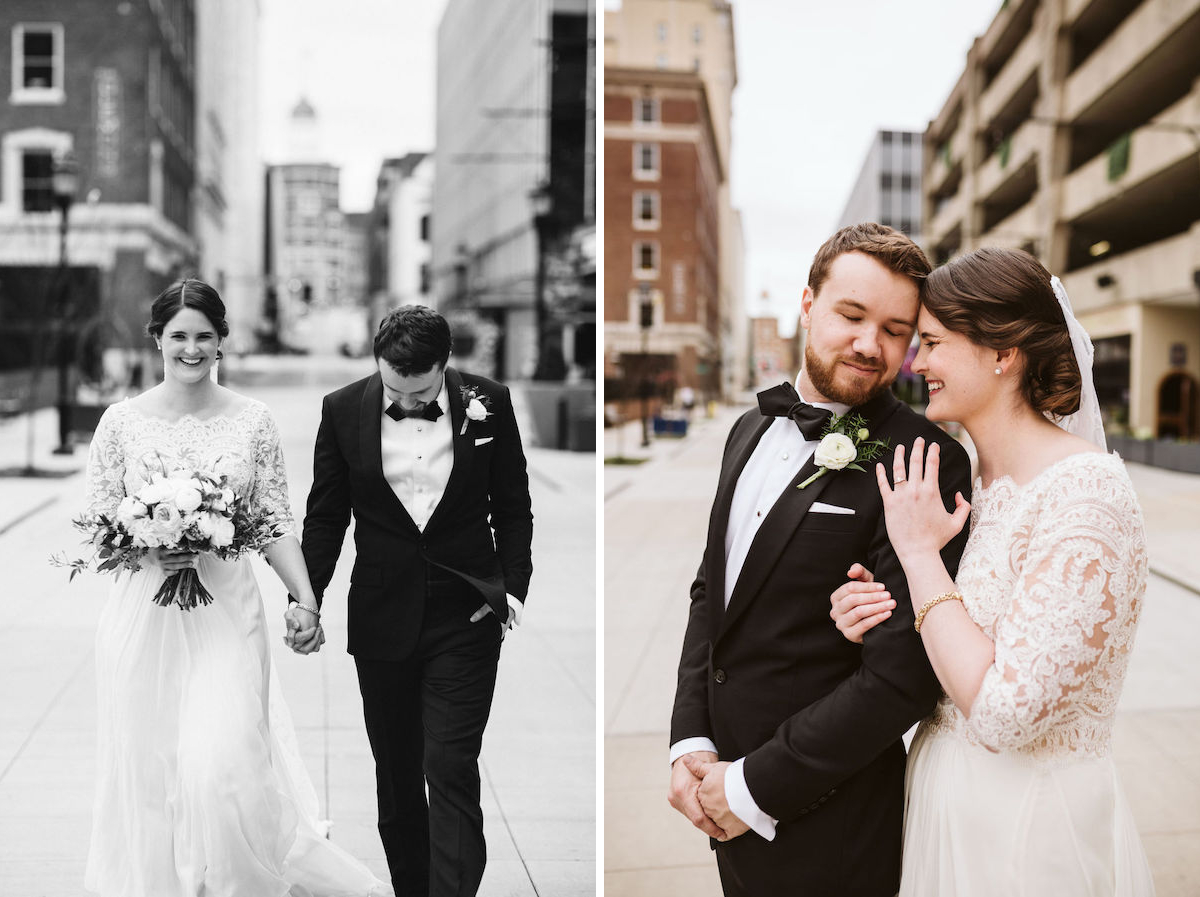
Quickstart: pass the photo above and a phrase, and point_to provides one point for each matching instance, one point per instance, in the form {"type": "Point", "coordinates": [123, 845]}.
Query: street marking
{"type": "Point", "coordinates": [538, 475]}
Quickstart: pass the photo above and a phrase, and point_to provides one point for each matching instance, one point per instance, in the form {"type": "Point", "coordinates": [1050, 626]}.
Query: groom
{"type": "Point", "coordinates": [807, 795]}
{"type": "Point", "coordinates": [429, 462]}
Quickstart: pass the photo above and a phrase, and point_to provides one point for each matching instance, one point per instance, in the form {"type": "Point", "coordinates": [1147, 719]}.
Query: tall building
{"type": "Point", "coordinates": [229, 164]}
{"type": "Point", "coordinates": [111, 87]}
{"type": "Point", "coordinates": [401, 273]}
{"type": "Point", "coordinates": [511, 194]}
{"type": "Point", "coordinates": [662, 180]}
{"type": "Point", "coordinates": [1072, 133]}
{"type": "Point", "coordinates": [696, 36]}
{"type": "Point", "coordinates": [305, 235]}
{"type": "Point", "coordinates": [775, 357]}
{"type": "Point", "coordinates": [888, 188]}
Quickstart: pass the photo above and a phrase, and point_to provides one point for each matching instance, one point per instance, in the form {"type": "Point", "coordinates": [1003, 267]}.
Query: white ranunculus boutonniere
{"type": "Point", "coordinates": [475, 404]}
{"type": "Point", "coordinates": [845, 442]}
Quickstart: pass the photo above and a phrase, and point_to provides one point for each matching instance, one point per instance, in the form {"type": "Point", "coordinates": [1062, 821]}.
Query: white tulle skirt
{"type": "Point", "coordinates": [200, 788]}
{"type": "Point", "coordinates": [979, 823]}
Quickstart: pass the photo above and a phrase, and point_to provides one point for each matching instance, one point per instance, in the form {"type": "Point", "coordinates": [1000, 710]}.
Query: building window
{"type": "Point", "coordinates": [426, 277]}
{"type": "Point", "coordinates": [645, 161]}
{"type": "Point", "coordinates": [37, 54]}
{"type": "Point", "coordinates": [660, 61]}
{"type": "Point", "coordinates": [885, 180]}
{"type": "Point", "coordinates": [661, 30]}
{"type": "Point", "coordinates": [647, 111]}
{"type": "Point", "coordinates": [646, 209]}
{"type": "Point", "coordinates": [645, 260]}
{"type": "Point", "coordinates": [37, 181]}
{"type": "Point", "coordinates": [425, 233]}
{"type": "Point", "coordinates": [697, 34]}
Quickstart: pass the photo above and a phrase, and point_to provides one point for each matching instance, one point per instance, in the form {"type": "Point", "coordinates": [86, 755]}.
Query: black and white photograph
{"type": "Point", "coordinates": [298, 469]}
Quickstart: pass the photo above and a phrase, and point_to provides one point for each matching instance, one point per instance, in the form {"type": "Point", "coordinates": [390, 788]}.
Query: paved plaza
{"type": "Point", "coordinates": [656, 518]}
{"type": "Point", "coordinates": [539, 755]}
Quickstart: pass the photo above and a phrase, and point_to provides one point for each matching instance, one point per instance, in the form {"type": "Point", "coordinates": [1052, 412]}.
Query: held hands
{"type": "Point", "coordinates": [304, 633]}
{"type": "Point", "coordinates": [711, 795]}
{"type": "Point", "coordinates": [684, 793]}
{"type": "Point", "coordinates": [917, 522]}
{"type": "Point", "coordinates": [860, 604]}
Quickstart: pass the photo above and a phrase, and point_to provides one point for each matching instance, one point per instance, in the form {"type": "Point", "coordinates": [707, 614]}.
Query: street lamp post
{"type": "Point", "coordinates": [542, 202]}
{"type": "Point", "coordinates": [646, 321]}
{"type": "Point", "coordinates": [65, 186]}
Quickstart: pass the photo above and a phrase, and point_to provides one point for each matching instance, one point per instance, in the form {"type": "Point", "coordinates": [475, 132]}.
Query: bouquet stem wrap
{"type": "Point", "coordinates": [183, 587]}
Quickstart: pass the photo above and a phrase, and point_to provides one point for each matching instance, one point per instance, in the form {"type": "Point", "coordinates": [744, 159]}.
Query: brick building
{"type": "Point", "coordinates": [776, 358]}
{"type": "Point", "coordinates": [111, 86]}
{"type": "Point", "coordinates": [662, 181]}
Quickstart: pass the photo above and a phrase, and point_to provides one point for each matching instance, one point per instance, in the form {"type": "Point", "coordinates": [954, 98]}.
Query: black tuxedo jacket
{"type": "Point", "coordinates": [771, 679]}
{"type": "Point", "coordinates": [480, 531]}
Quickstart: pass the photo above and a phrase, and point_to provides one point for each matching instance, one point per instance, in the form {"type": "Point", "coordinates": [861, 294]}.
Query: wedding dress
{"type": "Point", "coordinates": [1022, 797]}
{"type": "Point", "coordinates": [200, 788]}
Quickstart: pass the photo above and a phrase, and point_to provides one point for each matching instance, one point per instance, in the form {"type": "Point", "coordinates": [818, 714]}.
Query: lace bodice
{"type": "Point", "coordinates": [1054, 573]}
{"type": "Point", "coordinates": [129, 445]}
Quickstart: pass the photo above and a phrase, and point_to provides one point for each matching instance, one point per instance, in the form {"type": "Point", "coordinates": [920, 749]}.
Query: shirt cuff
{"type": "Point", "coordinates": [687, 745]}
{"type": "Point", "coordinates": [742, 804]}
{"type": "Point", "coordinates": [516, 606]}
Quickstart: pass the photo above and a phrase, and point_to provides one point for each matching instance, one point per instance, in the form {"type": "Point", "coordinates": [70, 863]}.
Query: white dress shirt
{"type": "Point", "coordinates": [418, 457]}
{"type": "Point", "coordinates": [774, 463]}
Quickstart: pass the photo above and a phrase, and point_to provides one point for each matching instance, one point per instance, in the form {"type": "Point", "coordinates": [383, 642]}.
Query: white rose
{"type": "Point", "coordinates": [476, 410]}
{"type": "Point", "coordinates": [188, 499]}
{"type": "Point", "coordinates": [129, 510]}
{"type": "Point", "coordinates": [835, 451]}
{"type": "Point", "coordinates": [158, 490]}
{"type": "Point", "coordinates": [222, 534]}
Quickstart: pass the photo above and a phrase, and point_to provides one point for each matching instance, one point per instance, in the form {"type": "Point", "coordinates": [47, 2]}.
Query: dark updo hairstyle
{"type": "Point", "coordinates": [413, 339]}
{"type": "Point", "coordinates": [1002, 299]}
{"type": "Point", "coordinates": [189, 293]}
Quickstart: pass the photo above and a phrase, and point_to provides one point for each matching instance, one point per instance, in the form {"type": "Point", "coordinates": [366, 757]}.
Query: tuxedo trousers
{"type": "Point", "coordinates": [425, 717]}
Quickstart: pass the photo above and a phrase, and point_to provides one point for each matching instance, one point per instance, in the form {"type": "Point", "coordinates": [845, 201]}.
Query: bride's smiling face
{"type": "Point", "coordinates": [189, 345]}
{"type": "Point", "coordinates": [961, 375]}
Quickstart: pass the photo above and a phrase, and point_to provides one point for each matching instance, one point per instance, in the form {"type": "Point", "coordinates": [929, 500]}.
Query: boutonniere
{"type": "Point", "coordinates": [844, 442]}
{"type": "Point", "coordinates": [476, 405]}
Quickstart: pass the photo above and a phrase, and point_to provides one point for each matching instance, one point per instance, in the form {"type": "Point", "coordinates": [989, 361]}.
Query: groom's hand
{"type": "Point", "coordinates": [684, 794]}
{"type": "Point", "coordinates": [304, 634]}
{"type": "Point", "coordinates": [712, 795]}
{"type": "Point", "coordinates": [505, 627]}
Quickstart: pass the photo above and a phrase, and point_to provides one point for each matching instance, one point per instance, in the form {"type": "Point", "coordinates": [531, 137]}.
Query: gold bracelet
{"type": "Point", "coordinates": [938, 599]}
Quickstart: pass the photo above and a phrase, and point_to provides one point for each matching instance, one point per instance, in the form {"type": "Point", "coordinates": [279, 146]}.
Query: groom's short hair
{"type": "Point", "coordinates": [888, 246]}
{"type": "Point", "coordinates": [413, 339]}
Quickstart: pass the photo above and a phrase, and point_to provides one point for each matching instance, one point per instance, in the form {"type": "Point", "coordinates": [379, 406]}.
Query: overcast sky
{"type": "Point", "coordinates": [367, 66]}
{"type": "Point", "coordinates": [816, 80]}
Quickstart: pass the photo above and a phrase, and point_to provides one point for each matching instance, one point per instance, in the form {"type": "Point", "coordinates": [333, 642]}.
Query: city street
{"type": "Point", "coordinates": [539, 755]}
{"type": "Point", "coordinates": [656, 517]}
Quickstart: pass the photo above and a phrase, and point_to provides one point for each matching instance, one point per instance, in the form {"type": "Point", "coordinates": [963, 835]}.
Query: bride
{"type": "Point", "coordinates": [200, 788]}
{"type": "Point", "coordinates": [1011, 785]}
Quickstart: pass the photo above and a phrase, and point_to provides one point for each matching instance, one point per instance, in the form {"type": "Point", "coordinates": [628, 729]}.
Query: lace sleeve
{"type": "Point", "coordinates": [270, 493]}
{"type": "Point", "coordinates": [1071, 621]}
{"type": "Point", "coordinates": [105, 466]}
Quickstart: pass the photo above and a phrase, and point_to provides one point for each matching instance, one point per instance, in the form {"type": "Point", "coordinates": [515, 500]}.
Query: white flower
{"type": "Point", "coordinates": [160, 489]}
{"type": "Point", "coordinates": [188, 498]}
{"type": "Point", "coordinates": [476, 410]}
{"type": "Point", "coordinates": [222, 534]}
{"type": "Point", "coordinates": [835, 451]}
{"type": "Point", "coordinates": [129, 510]}
{"type": "Point", "coordinates": [166, 526]}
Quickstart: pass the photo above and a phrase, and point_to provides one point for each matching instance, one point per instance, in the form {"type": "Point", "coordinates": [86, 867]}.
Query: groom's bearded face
{"type": "Point", "coordinates": [859, 328]}
{"type": "Point", "coordinates": [414, 392]}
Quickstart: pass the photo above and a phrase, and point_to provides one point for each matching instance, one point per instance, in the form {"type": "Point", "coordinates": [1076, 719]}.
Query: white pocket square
{"type": "Point", "coordinates": [484, 440]}
{"type": "Point", "coordinates": [819, 507]}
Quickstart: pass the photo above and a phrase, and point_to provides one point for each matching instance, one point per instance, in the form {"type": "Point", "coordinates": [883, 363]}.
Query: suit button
{"type": "Point", "coordinates": [814, 805]}
{"type": "Point", "coordinates": [804, 812]}
{"type": "Point", "coordinates": [719, 676]}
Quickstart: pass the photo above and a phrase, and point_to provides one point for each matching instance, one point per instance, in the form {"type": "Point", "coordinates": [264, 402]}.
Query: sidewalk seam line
{"type": "Point", "coordinates": [23, 517]}
{"type": "Point", "coordinates": [45, 713]}
{"type": "Point", "coordinates": [507, 827]}
{"type": "Point", "coordinates": [1172, 578]}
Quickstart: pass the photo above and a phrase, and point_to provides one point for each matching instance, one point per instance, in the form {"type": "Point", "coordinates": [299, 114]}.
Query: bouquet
{"type": "Point", "coordinates": [183, 510]}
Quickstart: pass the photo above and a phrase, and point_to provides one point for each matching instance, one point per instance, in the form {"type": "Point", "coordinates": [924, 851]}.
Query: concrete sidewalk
{"type": "Point", "coordinates": [539, 756]}
{"type": "Point", "coordinates": [656, 518]}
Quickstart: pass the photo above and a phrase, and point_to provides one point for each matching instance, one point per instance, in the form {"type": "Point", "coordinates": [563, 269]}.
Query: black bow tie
{"type": "Point", "coordinates": [784, 401]}
{"type": "Point", "coordinates": [429, 411]}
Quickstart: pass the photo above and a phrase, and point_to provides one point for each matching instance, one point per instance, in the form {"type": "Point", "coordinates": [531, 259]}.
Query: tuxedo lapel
{"type": "Point", "coordinates": [464, 445]}
{"type": "Point", "coordinates": [370, 425]}
{"type": "Point", "coordinates": [781, 522]}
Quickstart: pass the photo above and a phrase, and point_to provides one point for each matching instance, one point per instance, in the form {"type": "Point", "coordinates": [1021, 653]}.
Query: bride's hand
{"type": "Point", "coordinates": [860, 604]}
{"type": "Point", "coordinates": [917, 521]}
{"type": "Point", "coordinates": [171, 561]}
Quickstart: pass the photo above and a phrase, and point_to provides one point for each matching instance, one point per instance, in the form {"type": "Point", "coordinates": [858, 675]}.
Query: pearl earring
{"type": "Point", "coordinates": [999, 371]}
